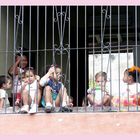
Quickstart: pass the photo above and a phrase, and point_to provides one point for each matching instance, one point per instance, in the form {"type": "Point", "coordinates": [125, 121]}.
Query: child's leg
{"type": "Point", "coordinates": [61, 98]}
{"type": "Point", "coordinates": [64, 97]}
{"type": "Point", "coordinates": [39, 94]}
{"type": "Point", "coordinates": [106, 100]}
{"type": "Point", "coordinates": [26, 98]}
{"type": "Point", "coordinates": [58, 100]}
{"type": "Point", "coordinates": [48, 94]}
{"type": "Point", "coordinates": [91, 98]}
{"type": "Point", "coordinates": [48, 99]}
{"type": "Point", "coordinates": [26, 101]}
{"type": "Point", "coordinates": [34, 106]}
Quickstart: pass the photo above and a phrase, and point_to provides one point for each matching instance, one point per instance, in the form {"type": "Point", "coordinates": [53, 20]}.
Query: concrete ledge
{"type": "Point", "coordinates": [70, 123]}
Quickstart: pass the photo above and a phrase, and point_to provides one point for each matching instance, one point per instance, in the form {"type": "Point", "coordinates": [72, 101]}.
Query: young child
{"type": "Point", "coordinates": [16, 72]}
{"type": "Point", "coordinates": [55, 92]}
{"type": "Point", "coordinates": [98, 95]}
{"type": "Point", "coordinates": [5, 83]}
{"type": "Point", "coordinates": [131, 94]}
{"type": "Point", "coordinates": [30, 92]}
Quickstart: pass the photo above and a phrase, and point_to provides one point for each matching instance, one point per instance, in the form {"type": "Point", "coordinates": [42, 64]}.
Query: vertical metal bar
{"type": "Point", "coordinates": [37, 36]}
{"type": "Point", "coordinates": [7, 43]}
{"type": "Point", "coordinates": [30, 34]}
{"type": "Point", "coordinates": [61, 37]}
{"type": "Point", "coordinates": [22, 38]}
{"type": "Point", "coordinates": [110, 44]}
{"type": "Point", "coordinates": [45, 56]}
{"type": "Point", "coordinates": [102, 43]}
{"type": "Point", "coordinates": [77, 83]}
{"type": "Point", "coordinates": [85, 56]}
{"type": "Point", "coordinates": [7, 39]}
{"type": "Point", "coordinates": [53, 36]}
{"type": "Point", "coordinates": [102, 36]}
{"type": "Point", "coordinates": [69, 55]}
{"type": "Point", "coordinates": [14, 55]}
{"type": "Point", "coordinates": [93, 46]}
{"type": "Point", "coordinates": [30, 38]}
{"type": "Point", "coordinates": [119, 54]}
{"type": "Point", "coordinates": [136, 52]}
{"type": "Point", "coordinates": [22, 30]}
{"type": "Point", "coordinates": [127, 44]}
{"type": "Point", "coordinates": [37, 47]}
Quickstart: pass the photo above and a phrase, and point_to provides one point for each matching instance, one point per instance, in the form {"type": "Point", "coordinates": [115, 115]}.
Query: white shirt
{"type": "Point", "coordinates": [4, 95]}
{"type": "Point", "coordinates": [32, 89]}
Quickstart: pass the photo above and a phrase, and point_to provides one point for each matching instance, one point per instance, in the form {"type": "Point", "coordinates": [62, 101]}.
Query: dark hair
{"type": "Point", "coordinates": [3, 80]}
{"type": "Point", "coordinates": [135, 74]}
{"type": "Point", "coordinates": [23, 54]}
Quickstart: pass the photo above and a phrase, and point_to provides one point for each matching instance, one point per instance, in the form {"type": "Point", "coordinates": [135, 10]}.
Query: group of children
{"type": "Point", "coordinates": [28, 89]}
{"type": "Point", "coordinates": [99, 95]}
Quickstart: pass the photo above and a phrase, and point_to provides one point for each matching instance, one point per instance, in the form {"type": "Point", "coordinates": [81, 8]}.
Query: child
{"type": "Point", "coordinates": [99, 95]}
{"type": "Point", "coordinates": [30, 92]}
{"type": "Point", "coordinates": [131, 95]}
{"type": "Point", "coordinates": [55, 92]}
{"type": "Point", "coordinates": [5, 83]}
{"type": "Point", "coordinates": [16, 72]}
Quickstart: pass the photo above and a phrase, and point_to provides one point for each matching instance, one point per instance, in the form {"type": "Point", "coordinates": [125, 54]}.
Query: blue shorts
{"type": "Point", "coordinates": [54, 96]}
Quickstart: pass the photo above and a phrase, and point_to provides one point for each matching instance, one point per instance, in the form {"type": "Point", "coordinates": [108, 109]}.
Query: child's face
{"type": "Point", "coordinates": [58, 73]}
{"type": "Point", "coordinates": [125, 77]}
{"type": "Point", "coordinates": [100, 81]}
{"type": "Point", "coordinates": [23, 62]}
{"type": "Point", "coordinates": [30, 77]}
{"type": "Point", "coordinates": [8, 84]}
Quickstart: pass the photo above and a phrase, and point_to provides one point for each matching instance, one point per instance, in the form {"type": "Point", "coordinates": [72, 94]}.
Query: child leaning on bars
{"type": "Point", "coordinates": [130, 96]}
{"type": "Point", "coordinates": [30, 92]}
{"type": "Point", "coordinates": [99, 95]}
{"type": "Point", "coordinates": [5, 83]}
{"type": "Point", "coordinates": [54, 91]}
{"type": "Point", "coordinates": [16, 72]}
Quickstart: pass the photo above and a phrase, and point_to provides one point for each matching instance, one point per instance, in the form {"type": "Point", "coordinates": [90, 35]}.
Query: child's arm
{"type": "Point", "coordinates": [1, 103]}
{"type": "Point", "coordinates": [46, 77]}
{"type": "Point", "coordinates": [2, 98]}
{"type": "Point", "coordinates": [13, 70]}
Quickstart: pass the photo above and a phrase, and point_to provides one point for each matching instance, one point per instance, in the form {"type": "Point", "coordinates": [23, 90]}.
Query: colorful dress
{"type": "Point", "coordinates": [128, 97]}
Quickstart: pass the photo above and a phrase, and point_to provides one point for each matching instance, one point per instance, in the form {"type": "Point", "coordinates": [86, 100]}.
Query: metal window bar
{"type": "Point", "coordinates": [127, 43]}
{"type": "Point", "coordinates": [136, 44]}
{"type": "Point", "coordinates": [85, 55]}
{"type": "Point", "coordinates": [77, 52]}
{"type": "Point", "coordinates": [119, 53]}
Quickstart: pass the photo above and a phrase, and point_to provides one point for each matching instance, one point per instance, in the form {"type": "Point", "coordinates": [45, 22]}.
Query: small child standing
{"type": "Point", "coordinates": [30, 92]}
{"type": "Point", "coordinates": [54, 89]}
{"type": "Point", "coordinates": [5, 83]}
{"type": "Point", "coordinates": [98, 95]}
